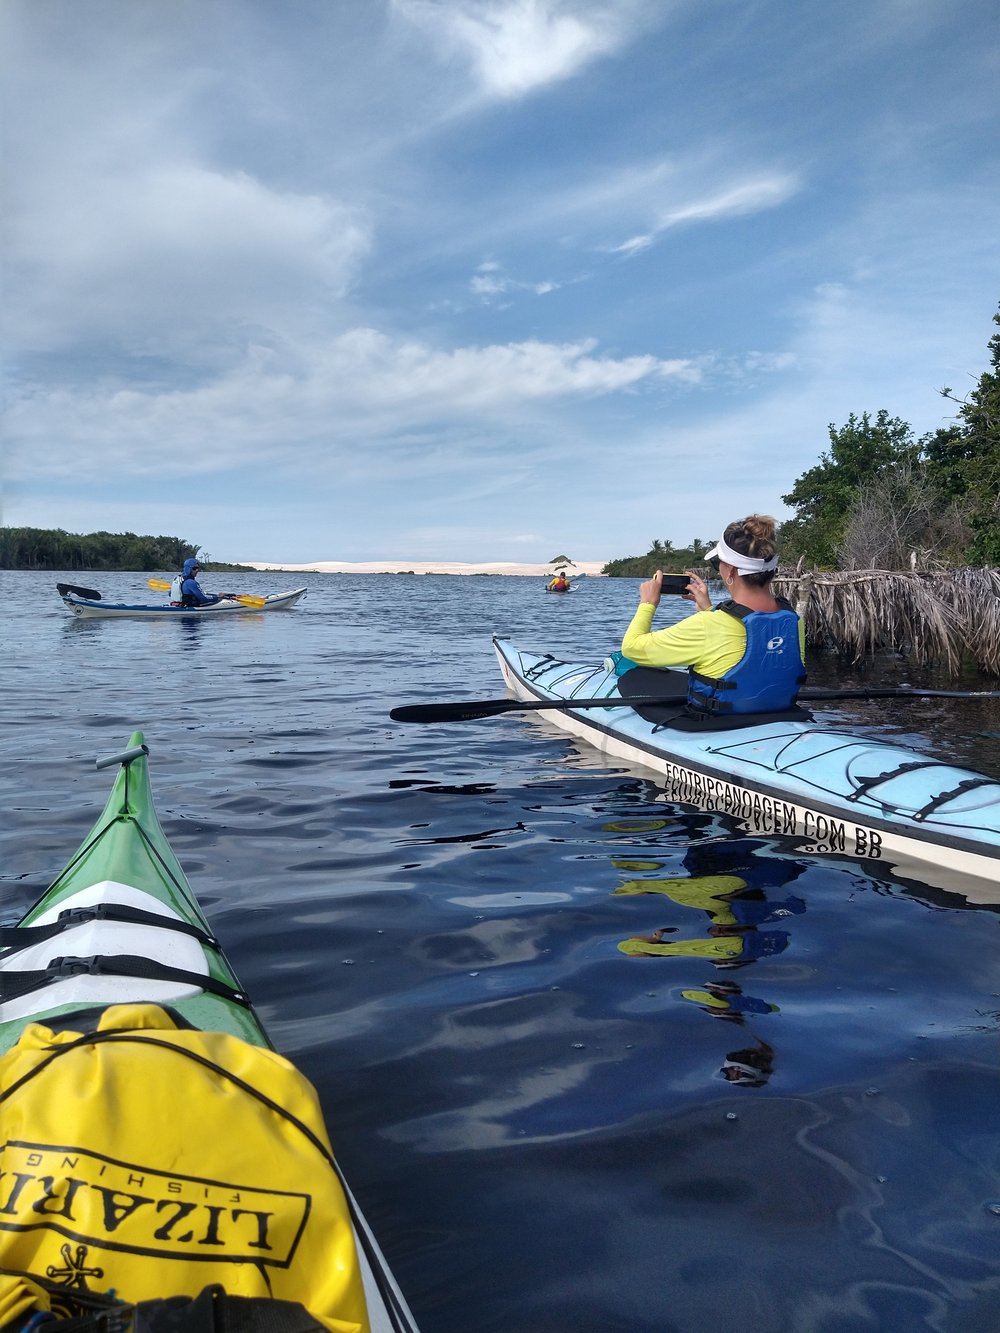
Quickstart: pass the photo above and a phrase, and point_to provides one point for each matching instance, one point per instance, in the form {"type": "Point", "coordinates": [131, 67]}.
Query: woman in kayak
{"type": "Point", "coordinates": [743, 656]}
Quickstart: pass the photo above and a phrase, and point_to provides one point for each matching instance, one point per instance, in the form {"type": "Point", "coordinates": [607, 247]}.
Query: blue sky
{"type": "Point", "coordinates": [480, 280]}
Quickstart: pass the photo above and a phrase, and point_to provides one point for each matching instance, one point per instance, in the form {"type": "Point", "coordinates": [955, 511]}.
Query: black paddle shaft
{"type": "Point", "coordinates": [474, 709]}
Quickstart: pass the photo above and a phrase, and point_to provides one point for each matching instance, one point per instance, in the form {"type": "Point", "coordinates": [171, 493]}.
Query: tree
{"type": "Point", "coordinates": [964, 461]}
{"type": "Point", "coordinates": [859, 451]}
{"type": "Point", "coordinates": [52, 548]}
{"type": "Point", "coordinates": [900, 521]}
{"type": "Point", "coordinates": [661, 555]}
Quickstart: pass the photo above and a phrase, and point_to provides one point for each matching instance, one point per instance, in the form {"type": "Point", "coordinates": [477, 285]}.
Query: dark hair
{"type": "Point", "coordinates": [754, 536]}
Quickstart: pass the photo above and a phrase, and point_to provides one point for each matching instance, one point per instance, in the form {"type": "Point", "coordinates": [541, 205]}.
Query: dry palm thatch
{"type": "Point", "coordinates": [974, 597]}
{"type": "Point", "coordinates": [860, 613]}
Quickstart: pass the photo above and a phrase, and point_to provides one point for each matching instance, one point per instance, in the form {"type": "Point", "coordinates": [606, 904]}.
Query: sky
{"type": "Point", "coordinates": [479, 280]}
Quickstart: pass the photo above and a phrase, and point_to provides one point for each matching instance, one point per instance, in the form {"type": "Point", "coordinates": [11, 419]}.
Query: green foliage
{"type": "Point", "coordinates": [965, 461]}
{"type": "Point", "coordinates": [661, 555]}
{"type": "Point", "coordinates": [822, 496]}
{"type": "Point", "coordinates": [52, 548]}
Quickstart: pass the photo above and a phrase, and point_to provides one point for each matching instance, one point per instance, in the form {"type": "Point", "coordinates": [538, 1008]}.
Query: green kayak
{"type": "Point", "coordinates": [126, 1041]}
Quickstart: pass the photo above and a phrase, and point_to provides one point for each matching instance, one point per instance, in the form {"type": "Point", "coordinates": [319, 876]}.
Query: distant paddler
{"type": "Point", "coordinates": [559, 584]}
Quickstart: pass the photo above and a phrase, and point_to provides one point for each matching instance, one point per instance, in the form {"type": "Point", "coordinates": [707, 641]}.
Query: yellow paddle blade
{"type": "Point", "coordinates": [160, 586]}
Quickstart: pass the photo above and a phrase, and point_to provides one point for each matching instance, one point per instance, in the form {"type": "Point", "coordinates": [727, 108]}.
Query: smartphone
{"type": "Point", "coordinates": [675, 583]}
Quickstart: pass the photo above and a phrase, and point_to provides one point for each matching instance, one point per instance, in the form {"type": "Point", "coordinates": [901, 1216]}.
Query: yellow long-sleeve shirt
{"type": "Point", "coordinates": [709, 641]}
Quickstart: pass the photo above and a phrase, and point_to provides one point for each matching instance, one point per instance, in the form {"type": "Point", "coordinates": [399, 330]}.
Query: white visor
{"type": "Point", "coordinates": [743, 564]}
{"type": "Point", "coordinates": [744, 1073]}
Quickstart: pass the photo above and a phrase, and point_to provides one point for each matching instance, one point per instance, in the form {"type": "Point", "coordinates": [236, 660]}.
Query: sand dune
{"type": "Point", "coordinates": [578, 567]}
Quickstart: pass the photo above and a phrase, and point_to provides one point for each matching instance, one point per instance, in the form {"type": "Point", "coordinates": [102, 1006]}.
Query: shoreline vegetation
{"type": "Point", "coordinates": [943, 617]}
{"type": "Point", "coordinates": [123, 552]}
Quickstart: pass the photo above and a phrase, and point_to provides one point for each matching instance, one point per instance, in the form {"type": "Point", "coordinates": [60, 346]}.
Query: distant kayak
{"type": "Point", "coordinates": [89, 609]}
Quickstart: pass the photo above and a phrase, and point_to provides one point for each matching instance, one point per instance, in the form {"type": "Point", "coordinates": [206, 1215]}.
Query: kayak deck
{"type": "Point", "coordinates": [846, 793]}
{"type": "Point", "coordinates": [121, 923]}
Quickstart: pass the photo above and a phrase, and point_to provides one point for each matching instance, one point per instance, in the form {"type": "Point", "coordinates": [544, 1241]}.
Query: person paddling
{"type": "Point", "coordinates": [559, 584]}
{"type": "Point", "coordinates": [191, 591]}
{"type": "Point", "coordinates": [743, 656]}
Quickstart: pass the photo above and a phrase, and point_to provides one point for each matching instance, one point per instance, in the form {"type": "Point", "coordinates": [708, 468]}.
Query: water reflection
{"type": "Point", "coordinates": [750, 1068]}
{"type": "Point", "coordinates": [725, 1000]}
{"type": "Point", "coordinates": [735, 888]}
{"type": "Point", "coordinates": [735, 905]}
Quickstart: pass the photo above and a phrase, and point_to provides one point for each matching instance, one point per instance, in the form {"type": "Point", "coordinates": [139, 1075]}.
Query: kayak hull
{"type": "Point", "coordinates": [119, 925]}
{"type": "Point", "coordinates": [844, 794]}
{"type": "Point", "coordinates": [86, 609]}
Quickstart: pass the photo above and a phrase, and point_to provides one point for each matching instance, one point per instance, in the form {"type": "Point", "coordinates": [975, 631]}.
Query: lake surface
{"type": "Point", "coordinates": [547, 1134]}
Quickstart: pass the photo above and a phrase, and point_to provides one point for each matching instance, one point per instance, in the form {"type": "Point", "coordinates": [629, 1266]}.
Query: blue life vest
{"type": "Point", "coordinates": [767, 677]}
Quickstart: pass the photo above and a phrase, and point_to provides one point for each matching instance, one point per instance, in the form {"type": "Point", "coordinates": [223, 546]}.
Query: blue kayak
{"type": "Point", "coordinates": [927, 819]}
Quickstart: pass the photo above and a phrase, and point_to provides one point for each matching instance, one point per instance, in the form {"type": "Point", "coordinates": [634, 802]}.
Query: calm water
{"type": "Point", "coordinates": [548, 1135]}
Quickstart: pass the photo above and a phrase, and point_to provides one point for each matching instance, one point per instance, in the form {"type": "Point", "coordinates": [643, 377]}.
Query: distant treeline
{"type": "Point", "coordinates": [661, 555]}
{"type": "Point", "coordinates": [52, 548]}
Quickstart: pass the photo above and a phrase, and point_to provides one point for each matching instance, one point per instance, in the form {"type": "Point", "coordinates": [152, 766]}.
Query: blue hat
{"type": "Point", "coordinates": [190, 566]}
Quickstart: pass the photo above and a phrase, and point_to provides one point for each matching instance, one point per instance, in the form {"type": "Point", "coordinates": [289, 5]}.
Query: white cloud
{"type": "Point", "coordinates": [284, 404]}
{"type": "Point", "coordinates": [163, 255]}
{"type": "Point", "coordinates": [518, 46]}
{"type": "Point", "coordinates": [488, 283]}
{"type": "Point", "coordinates": [487, 286]}
{"type": "Point", "coordinates": [739, 199]}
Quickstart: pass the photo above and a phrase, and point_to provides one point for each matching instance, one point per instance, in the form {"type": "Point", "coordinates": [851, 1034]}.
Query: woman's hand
{"type": "Point", "coordinates": [650, 591]}
{"type": "Point", "coordinates": [698, 591]}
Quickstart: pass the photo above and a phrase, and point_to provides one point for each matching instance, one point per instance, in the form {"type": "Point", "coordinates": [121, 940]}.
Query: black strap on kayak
{"type": "Point", "coordinates": [17, 938]}
{"type": "Point", "coordinates": [865, 785]}
{"type": "Point", "coordinates": [970, 784]}
{"type": "Point", "coordinates": [15, 984]}
{"type": "Point", "coordinates": [541, 665]}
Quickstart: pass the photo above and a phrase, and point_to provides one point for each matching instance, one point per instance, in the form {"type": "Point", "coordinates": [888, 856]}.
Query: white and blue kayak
{"type": "Point", "coordinates": [845, 794]}
{"type": "Point", "coordinates": [156, 1151]}
{"type": "Point", "coordinates": [90, 608]}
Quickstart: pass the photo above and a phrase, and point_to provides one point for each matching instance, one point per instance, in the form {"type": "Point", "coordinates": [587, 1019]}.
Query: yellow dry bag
{"type": "Point", "coordinates": [155, 1161]}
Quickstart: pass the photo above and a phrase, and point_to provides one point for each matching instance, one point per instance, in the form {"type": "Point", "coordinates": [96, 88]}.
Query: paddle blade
{"type": "Point", "coordinates": [158, 584]}
{"type": "Point", "coordinates": [250, 601]}
{"type": "Point", "coordinates": [91, 594]}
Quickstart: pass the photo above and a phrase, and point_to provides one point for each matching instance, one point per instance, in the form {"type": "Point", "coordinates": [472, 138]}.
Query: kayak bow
{"type": "Point", "coordinates": [118, 953]}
